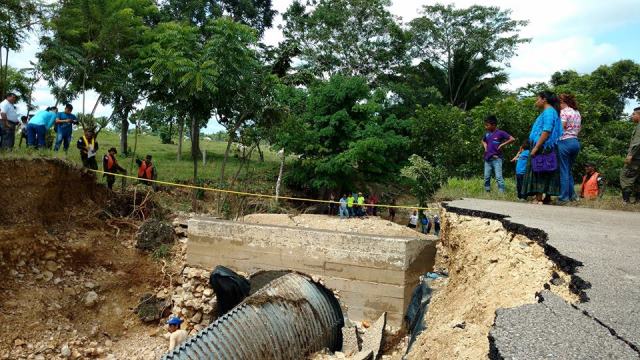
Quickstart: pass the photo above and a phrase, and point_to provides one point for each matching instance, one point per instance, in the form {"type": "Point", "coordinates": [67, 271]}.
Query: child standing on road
{"type": "Point", "coordinates": [521, 167]}
{"type": "Point", "coordinates": [493, 142]}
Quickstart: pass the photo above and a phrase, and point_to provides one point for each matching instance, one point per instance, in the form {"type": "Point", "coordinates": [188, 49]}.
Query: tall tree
{"type": "Point", "coordinates": [96, 45]}
{"type": "Point", "coordinates": [465, 44]}
{"type": "Point", "coordinates": [347, 37]}
{"type": "Point", "coordinates": [17, 18]}
{"type": "Point", "coordinates": [257, 14]}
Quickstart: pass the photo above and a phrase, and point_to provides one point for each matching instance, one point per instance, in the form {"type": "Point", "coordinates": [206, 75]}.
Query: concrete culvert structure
{"type": "Point", "coordinates": [290, 318]}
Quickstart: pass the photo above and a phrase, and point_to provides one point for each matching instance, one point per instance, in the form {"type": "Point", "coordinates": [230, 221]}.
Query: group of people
{"type": "Point", "coordinates": [425, 222]}
{"type": "Point", "coordinates": [356, 205]}
{"type": "Point", "coordinates": [545, 160]}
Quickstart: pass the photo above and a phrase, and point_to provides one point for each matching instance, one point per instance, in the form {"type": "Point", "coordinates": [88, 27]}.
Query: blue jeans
{"type": "Point", "coordinates": [8, 137]}
{"type": "Point", "coordinates": [567, 153]}
{"type": "Point", "coordinates": [343, 212]}
{"type": "Point", "coordinates": [493, 166]}
{"type": "Point", "coordinates": [63, 135]}
{"type": "Point", "coordinates": [36, 135]}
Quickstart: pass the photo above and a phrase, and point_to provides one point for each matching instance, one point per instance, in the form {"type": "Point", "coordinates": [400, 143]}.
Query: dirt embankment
{"type": "Point", "coordinates": [70, 275]}
{"type": "Point", "coordinates": [489, 268]}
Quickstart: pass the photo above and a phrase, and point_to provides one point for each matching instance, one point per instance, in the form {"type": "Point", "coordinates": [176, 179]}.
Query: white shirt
{"type": "Point", "coordinates": [413, 220]}
{"type": "Point", "coordinates": [176, 338]}
{"type": "Point", "coordinates": [8, 108]}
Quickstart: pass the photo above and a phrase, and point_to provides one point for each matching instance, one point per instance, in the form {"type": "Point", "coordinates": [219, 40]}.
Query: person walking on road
{"type": "Point", "coordinates": [493, 141]}
{"type": "Point", "coordinates": [9, 121]}
{"type": "Point", "coordinates": [630, 174]}
{"type": "Point", "coordinates": [64, 128]}
{"type": "Point", "coordinates": [568, 145]}
{"type": "Point", "coordinates": [111, 166]}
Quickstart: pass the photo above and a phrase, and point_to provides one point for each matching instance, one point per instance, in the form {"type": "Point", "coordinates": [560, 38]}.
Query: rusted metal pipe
{"type": "Point", "coordinates": [288, 319]}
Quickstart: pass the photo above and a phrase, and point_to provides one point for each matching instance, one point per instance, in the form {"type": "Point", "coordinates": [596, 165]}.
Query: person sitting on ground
{"type": "Point", "coordinates": [23, 130]}
{"type": "Point", "coordinates": [38, 127]}
{"type": "Point", "coordinates": [350, 201]}
{"type": "Point", "coordinates": [521, 167]}
{"type": "Point", "coordinates": [426, 226]}
{"type": "Point", "coordinates": [147, 171]}
{"type": "Point", "coordinates": [64, 128]}
{"type": "Point", "coordinates": [111, 166]}
{"type": "Point", "coordinates": [176, 335]}
{"type": "Point", "coordinates": [493, 142]}
{"type": "Point", "coordinates": [592, 183]}
{"type": "Point", "coordinates": [88, 147]}
{"type": "Point", "coordinates": [344, 213]}
{"type": "Point", "coordinates": [413, 220]}
{"type": "Point", "coordinates": [360, 208]}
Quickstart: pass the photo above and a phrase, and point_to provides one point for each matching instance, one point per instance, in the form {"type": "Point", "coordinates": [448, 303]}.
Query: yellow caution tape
{"type": "Point", "coordinates": [194, 187]}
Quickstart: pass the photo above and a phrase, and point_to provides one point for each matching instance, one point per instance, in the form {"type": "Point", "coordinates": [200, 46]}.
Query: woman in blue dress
{"type": "Point", "coordinates": [543, 138]}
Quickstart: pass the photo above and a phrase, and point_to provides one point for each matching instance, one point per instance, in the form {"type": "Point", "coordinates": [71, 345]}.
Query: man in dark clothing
{"type": "Point", "coordinates": [88, 147]}
{"type": "Point", "coordinates": [111, 166]}
{"type": "Point", "coordinates": [630, 174]}
{"type": "Point", "coordinates": [147, 171]}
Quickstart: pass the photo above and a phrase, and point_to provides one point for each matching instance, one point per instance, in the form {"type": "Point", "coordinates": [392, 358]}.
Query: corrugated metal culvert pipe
{"type": "Point", "coordinates": [288, 319]}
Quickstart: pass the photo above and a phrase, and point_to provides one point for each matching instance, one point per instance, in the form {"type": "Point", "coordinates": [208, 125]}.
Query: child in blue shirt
{"type": "Point", "coordinates": [521, 159]}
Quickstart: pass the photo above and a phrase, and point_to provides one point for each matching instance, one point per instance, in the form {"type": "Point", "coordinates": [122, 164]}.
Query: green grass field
{"type": "Point", "coordinates": [165, 158]}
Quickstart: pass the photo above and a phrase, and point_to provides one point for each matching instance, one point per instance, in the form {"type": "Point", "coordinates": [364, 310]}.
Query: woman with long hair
{"type": "Point", "coordinates": [543, 173]}
{"type": "Point", "coordinates": [568, 145]}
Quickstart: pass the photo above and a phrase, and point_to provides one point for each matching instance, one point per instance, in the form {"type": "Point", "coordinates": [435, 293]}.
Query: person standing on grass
{"type": "Point", "coordinates": [413, 220]}
{"type": "Point", "coordinates": [344, 213]}
{"type": "Point", "coordinates": [544, 136]}
{"type": "Point", "coordinates": [568, 145]}
{"type": "Point", "coordinates": [10, 120]}
{"type": "Point", "coordinates": [592, 183]}
{"type": "Point", "coordinates": [111, 166]}
{"type": "Point", "coordinates": [630, 174]}
{"type": "Point", "coordinates": [64, 126]}
{"type": "Point", "coordinates": [493, 141]}
{"type": "Point", "coordinates": [88, 147]}
{"type": "Point", "coordinates": [38, 127]}
{"type": "Point", "coordinates": [23, 130]}
{"type": "Point", "coordinates": [350, 201]}
{"type": "Point", "coordinates": [521, 167]}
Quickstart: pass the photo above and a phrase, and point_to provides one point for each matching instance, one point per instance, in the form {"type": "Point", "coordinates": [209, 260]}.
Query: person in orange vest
{"type": "Point", "coordinates": [592, 183]}
{"type": "Point", "coordinates": [88, 147]}
{"type": "Point", "coordinates": [146, 171]}
{"type": "Point", "coordinates": [111, 166]}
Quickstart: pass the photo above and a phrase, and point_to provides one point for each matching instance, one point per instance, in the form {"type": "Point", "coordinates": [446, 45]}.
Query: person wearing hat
{"type": "Point", "coordinates": [147, 171]}
{"type": "Point", "coordinates": [592, 183]}
{"type": "Point", "coordinates": [176, 335]}
{"type": "Point", "coordinates": [360, 207]}
{"type": "Point", "coordinates": [111, 166]}
{"type": "Point", "coordinates": [88, 147]}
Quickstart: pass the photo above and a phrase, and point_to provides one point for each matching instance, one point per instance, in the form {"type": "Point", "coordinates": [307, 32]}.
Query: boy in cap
{"type": "Point", "coordinates": [176, 335]}
{"type": "Point", "coordinates": [111, 166]}
{"type": "Point", "coordinates": [88, 147]}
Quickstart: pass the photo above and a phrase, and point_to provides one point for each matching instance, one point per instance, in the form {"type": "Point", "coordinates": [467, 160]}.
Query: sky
{"type": "Point", "coordinates": [565, 34]}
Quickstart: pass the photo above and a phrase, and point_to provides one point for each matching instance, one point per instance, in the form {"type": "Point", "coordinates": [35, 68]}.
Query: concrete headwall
{"type": "Point", "coordinates": [372, 273]}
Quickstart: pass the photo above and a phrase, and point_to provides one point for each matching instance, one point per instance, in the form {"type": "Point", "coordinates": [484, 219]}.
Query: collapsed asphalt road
{"type": "Point", "coordinates": [607, 245]}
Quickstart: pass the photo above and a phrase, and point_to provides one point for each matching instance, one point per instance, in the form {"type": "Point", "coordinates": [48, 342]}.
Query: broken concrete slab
{"type": "Point", "coordinates": [373, 339]}
{"type": "Point", "coordinates": [350, 344]}
{"type": "Point", "coordinates": [566, 333]}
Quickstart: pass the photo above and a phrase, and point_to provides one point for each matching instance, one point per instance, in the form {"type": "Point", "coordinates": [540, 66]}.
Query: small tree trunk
{"type": "Point", "coordinates": [226, 152]}
{"type": "Point", "coordinates": [279, 181]}
{"type": "Point", "coordinates": [180, 136]}
{"type": "Point", "coordinates": [124, 132]}
{"type": "Point", "coordinates": [195, 132]}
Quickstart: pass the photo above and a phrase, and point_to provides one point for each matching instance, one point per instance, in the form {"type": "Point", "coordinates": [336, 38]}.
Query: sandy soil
{"type": "Point", "coordinates": [489, 268]}
{"type": "Point", "coordinates": [370, 225]}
